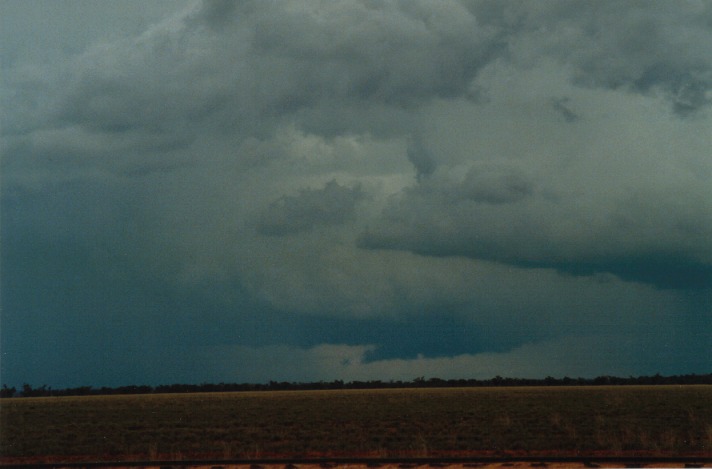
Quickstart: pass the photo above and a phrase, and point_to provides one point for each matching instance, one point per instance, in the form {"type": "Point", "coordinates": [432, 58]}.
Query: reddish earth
{"type": "Point", "coordinates": [600, 459]}
{"type": "Point", "coordinates": [513, 465]}
{"type": "Point", "coordinates": [490, 465]}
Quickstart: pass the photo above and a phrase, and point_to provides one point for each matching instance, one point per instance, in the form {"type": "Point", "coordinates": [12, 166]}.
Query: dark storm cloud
{"type": "Point", "coordinates": [394, 185]}
{"type": "Point", "coordinates": [495, 214]}
{"type": "Point", "coordinates": [270, 62]}
{"type": "Point", "coordinates": [362, 47]}
{"type": "Point", "coordinates": [519, 244]}
{"type": "Point", "coordinates": [641, 46]}
{"type": "Point", "coordinates": [647, 49]}
{"type": "Point", "coordinates": [331, 205]}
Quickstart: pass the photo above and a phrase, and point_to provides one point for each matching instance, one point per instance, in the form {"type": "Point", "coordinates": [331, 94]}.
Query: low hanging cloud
{"type": "Point", "coordinates": [544, 234]}
{"type": "Point", "coordinates": [580, 356]}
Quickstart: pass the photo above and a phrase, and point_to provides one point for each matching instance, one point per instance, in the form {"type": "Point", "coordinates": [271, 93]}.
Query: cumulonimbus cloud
{"type": "Point", "coordinates": [368, 159]}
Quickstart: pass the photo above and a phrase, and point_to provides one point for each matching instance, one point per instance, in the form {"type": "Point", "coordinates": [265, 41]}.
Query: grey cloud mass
{"type": "Point", "coordinates": [256, 190]}
{"type": "Point", "coordinates": [632, 45]}
{"type": "Point", "coordinates": [333, 204]}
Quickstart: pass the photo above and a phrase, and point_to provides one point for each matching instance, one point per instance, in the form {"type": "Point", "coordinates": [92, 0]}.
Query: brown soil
{"type": "Point", "coordinates": [499, 465]}
{"type": "Point", "coordinates": [521, 464]}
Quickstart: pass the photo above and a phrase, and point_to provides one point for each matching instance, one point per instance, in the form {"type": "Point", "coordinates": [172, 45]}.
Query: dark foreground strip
{"type": "Point", "coordinates": [326, 463]}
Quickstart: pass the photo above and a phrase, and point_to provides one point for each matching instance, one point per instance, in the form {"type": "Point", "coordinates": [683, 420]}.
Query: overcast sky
{"type": "Point", "coordinates": [316, 190]}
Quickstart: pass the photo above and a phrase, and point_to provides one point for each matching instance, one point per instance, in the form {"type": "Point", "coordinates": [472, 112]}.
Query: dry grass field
{"type": "Point", "coordinates": [660, 420]}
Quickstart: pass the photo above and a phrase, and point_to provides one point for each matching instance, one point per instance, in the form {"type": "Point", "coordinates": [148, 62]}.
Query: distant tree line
{"type": "Point", "coordinates": [498, 381]}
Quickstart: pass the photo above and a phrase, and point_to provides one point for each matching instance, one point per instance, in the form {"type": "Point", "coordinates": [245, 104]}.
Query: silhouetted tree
{"type": "Point", "coordinates": [7, 392]}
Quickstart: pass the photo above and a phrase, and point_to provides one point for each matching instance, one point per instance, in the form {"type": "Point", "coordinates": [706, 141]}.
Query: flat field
{"type": "Point", "coordinates": [634, 420]}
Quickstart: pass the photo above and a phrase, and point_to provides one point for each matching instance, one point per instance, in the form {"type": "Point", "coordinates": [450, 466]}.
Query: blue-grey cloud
{"type": "Point", "coordinates": [404, 186]}
{"type": "Point", "coordinates": [657, 47]}
{"type": "Point", "coordinates": [455, 228]}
